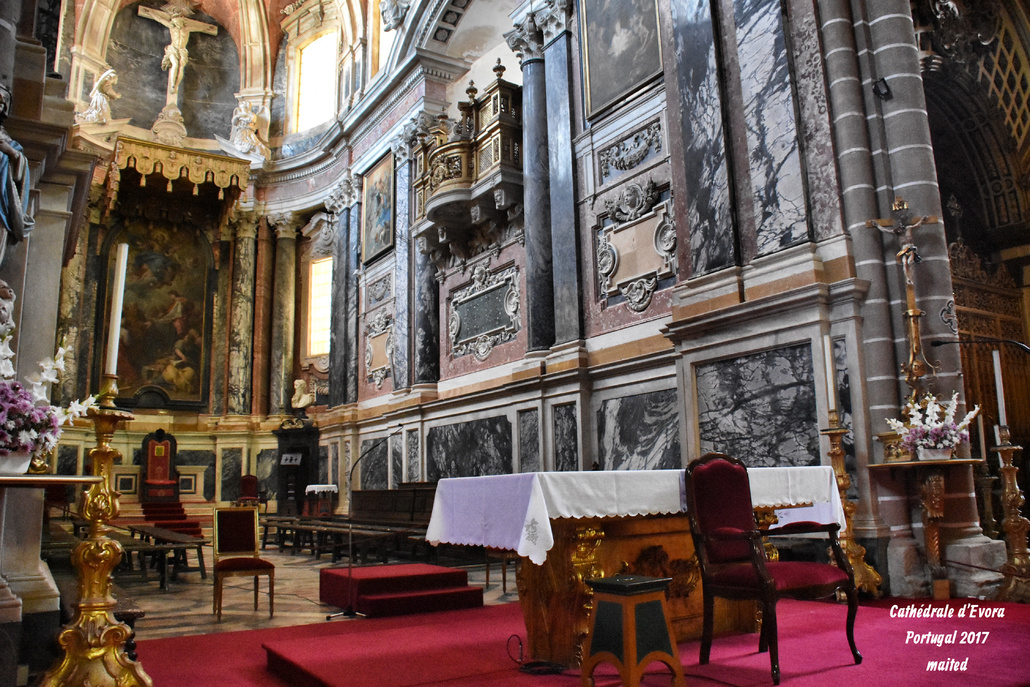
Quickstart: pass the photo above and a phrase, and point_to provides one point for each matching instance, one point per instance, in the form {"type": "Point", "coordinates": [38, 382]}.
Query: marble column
{"type": "Point", "coordinates": [263, 271]}
{"type": "Point", "coordinates": [241, 317]}
{"type": "Point", "coordinates": [343, 359]}
{"type": "Point", "coordinates": [426, 367]}
{"type": "Point", "coordinates": [558, 69]}
{"type": "Point", "coordinates": [401, 358]}
{"type": "Point", "coordinates": [527, 42]}
{"type": "Point", "coordinates": [700, 183]}
{"type": "Point", "coordinates": [284, 297]}
{"type": "Point", "coordinates": [220, 320]}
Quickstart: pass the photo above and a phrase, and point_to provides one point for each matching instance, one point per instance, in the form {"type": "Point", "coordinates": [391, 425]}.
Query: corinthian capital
{"type": "Point", "coordinates": [527, 40]}
{"type": "Point", "coordinates": [554, 18]}
{"type": "Point", "coordinates": [285, 223]}
{"type": "Point", "coordinates": [344, 194]}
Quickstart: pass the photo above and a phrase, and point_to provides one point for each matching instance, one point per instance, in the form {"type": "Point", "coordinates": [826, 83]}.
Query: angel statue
{"type": "Point", "coordinates": [99, 110]}
{"type": "Point", "coordinates": [246, 125]}
{"type": "Point", "coordinates": [15, 219]}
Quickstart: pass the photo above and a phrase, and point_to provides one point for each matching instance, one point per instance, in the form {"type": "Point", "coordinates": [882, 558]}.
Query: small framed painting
{"type": "Point", "coordinates": [377, 210]}
{"type": "Point", "coordinates": [622, 49]}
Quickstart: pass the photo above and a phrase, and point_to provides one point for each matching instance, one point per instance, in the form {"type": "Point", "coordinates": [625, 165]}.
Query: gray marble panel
{"type": "Point", "coordinates": [639, 432]}
{"type": "Point", "coordinates": [350, 309]}
{"type": "Point", "coordinates": [529, 441]}
{"type": "Point", "coordinates": [204, 458]}
{"type": "Point", "coordinates": [334, 463]}
{"type": "Point", "coordinates": [373, 464]}
{"type": "Point", "coordinates": [710, 218]}
{"type": "Point", "coordinates": [760, 408]}
{"type": "Point", "coordinates": [777, 184]}
{"type": "Point", "coordinates": [566, 442]}
{"type": "Point", "coordinates": [396, 460]}
{"type": "Point", "coordinates": [468, 449]}
{"type": "Point", "coordinates": [277, 108]}
{"type": "Point", "coordinates": [323, 465]}
{"type": "Point", "coordinates": [266, 467]}
{"type": "Point", "coordinates": [427, 321]}
{"type": "Point", "coordinates": [414, 462]}
{"type": "Point", "coordinates": [232, 468]}
{"type": "Point", "coordinates": [67, 462]}
{"type": "Point", "coordinates": [400, 358]}
{"type": "Point", "coordinates": [241, 329]}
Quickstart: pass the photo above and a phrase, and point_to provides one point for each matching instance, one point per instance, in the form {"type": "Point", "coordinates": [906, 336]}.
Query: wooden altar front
{"type": "Point", "coordinates": [582, 525]}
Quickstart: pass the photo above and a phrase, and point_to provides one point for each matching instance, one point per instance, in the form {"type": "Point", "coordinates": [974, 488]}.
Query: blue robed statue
{"type": "Point", "coordinates": [14, 182]}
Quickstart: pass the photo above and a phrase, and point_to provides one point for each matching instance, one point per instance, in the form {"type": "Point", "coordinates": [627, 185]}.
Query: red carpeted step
{"type": "Point", "coordinates": [398, 589]}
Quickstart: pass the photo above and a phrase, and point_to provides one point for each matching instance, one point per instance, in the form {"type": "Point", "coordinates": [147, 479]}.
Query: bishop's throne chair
{"type": "Point", "coordinates": [159, 478]}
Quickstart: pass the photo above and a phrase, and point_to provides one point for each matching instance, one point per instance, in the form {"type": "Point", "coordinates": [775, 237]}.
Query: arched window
{"type": "Point", "coordinates": [316, 82]}
{"type": "Point", "coordinates": [320, 301]}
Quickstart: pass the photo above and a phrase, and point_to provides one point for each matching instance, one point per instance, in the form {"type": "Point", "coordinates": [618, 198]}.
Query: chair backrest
{"type": "Point", "coordinates": [235, 532]}
{"type": "Point", "coordinates": [718, 496]}
{"type": "Point", "coordinates": [157, 461]}
{"type": "Point", "coordinates": [249, 487]}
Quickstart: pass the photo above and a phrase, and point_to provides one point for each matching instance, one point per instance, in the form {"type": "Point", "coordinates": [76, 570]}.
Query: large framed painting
{"type": "Point", "coordinates": [377, 210]}
{"type": "Point", "coordinates": [165, 328]}
{"type": "Point", "coordinates": [622, 49]}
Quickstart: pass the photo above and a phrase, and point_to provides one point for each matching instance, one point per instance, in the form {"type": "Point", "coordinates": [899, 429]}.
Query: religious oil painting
{"type": "Point", "coordinates": [377, 214]}
{"type": "Point", "coordinates": [164, 326]}
{"type": "Point", "coordinates": [622, 48]}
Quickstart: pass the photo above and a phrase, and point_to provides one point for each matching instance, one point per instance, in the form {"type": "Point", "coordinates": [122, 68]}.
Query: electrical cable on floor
{"type": "Point", "coordinates": [532, 667]}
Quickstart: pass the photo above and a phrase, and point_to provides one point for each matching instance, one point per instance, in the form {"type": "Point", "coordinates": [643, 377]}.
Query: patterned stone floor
{"type": "Point", "coordinates": [186, 606]}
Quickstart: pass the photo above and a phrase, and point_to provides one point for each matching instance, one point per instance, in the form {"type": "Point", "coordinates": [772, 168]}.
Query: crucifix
{"type": "Point", "coordinates": [175, 16]}
{"type": "Point", "coordinates": [901, 224]}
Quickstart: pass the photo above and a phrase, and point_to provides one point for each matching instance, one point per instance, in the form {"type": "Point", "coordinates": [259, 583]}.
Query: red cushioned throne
{"type": "Point", "coordinates": [733, 561]}
{"type": "Point", "coordinates": [160, 479]}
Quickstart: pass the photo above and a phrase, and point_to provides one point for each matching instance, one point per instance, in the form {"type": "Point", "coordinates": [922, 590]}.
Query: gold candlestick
{"type": "Point", "coordinates": [865, 576]}
{"type": "Point", "coordinates": [1016, 569]}
{"type": "Point", "coordinates": [94, 642]}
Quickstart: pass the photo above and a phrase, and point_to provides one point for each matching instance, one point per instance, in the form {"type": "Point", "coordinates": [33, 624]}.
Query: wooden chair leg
{"type": "Point", "coordinates": [707, 627]}
{"type": "Point", "coordinates": [271, 594]}
{"type": "Point", "coordinates": [852, 612]}
{"type": "Point", "coordinates": [769, 617]}
{"type": "Point", "coordinates": [256, 577]}
{"type": "Point", "coordinates": [218, 597]}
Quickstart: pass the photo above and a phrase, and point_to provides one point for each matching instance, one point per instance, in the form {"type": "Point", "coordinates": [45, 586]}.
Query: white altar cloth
{"type": "Point", "coordinates": [513, 512]}
{"type": "Point", "coordinates": [321, 489]}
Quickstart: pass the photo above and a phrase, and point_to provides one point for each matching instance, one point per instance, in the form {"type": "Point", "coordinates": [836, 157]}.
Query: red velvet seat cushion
{"type": "Point", "coordinates": [787, 575]}
{"type": "Point", "coordinates": [242, 563]}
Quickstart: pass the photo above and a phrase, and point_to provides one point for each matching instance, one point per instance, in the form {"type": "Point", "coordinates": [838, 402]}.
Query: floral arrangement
{"type": "Point", "coordinates": [934, 426]}
{"type": "Point", "coordinates": [28, 422]}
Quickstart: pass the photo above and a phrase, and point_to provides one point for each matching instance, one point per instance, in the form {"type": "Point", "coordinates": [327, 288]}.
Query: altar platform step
{"type": "Point", "coordinates": [386, 590]}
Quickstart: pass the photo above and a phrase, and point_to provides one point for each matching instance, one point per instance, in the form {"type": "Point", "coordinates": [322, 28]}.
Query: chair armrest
{"type": "Point", "coordinates": [734, 533]}
{"type": "Point", "coordinates": [803, 527]}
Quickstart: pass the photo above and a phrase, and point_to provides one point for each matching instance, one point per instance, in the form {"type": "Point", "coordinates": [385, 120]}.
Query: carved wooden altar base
{"type": "Point", "coordinates": [556, 601]}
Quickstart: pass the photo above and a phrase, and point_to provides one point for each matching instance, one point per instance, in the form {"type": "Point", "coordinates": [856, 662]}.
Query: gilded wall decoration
{"type": "Point", "coordinates": [485, 313]}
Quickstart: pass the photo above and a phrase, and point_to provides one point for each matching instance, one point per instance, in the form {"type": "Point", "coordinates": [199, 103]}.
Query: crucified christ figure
{"type": "Point", "coordinates": [175, 16]}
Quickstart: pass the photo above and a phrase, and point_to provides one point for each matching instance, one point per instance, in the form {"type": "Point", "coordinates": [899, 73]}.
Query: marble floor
{"type": "Point", "coordinates": [186, 606]}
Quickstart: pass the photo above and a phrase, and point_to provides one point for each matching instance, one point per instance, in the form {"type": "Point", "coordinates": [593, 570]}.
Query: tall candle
{"type": "Point", "coordinates": [831, 372]}
{"type": "Point", "coordinates": [114, 327]}
{"type": "Point", "coordinates": [1002, 418]}
{"type": "Point", "coordinates": [983, 437]}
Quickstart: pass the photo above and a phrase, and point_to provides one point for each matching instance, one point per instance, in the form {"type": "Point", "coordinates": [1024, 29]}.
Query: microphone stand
{"type": "Point", "coordinates": [349, 612]}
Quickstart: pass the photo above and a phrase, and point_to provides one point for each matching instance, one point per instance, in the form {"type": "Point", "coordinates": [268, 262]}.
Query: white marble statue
{"type": "Point", "coordinates": [99, 110]}
{"type": "Point", "coordinates": [245, 136]}
{"type": "Point", "coordinates": [302, 398]}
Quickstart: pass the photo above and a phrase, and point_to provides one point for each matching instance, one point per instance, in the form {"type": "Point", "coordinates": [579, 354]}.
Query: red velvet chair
{"type": "Point", "coordinates": [235, 545]}
{"type": "Point", "coordinates": [160, 479]}
{"type": "Point", "coordinates": [732, 556]}
{"type": "Point", "coordinates": [251, 493]}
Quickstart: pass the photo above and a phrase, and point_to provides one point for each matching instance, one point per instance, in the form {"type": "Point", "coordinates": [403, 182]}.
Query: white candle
{"type": "Point", "coordinates": [114, 327]}
{"type": "Point", "coordinates": [983, 437]}
{"type": "Point", "coordinates": [831, 372]}
{"type": "Point", "coordinates": [1002, 418]}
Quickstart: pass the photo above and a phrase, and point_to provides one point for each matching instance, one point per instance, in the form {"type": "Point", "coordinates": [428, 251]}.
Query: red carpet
{"type": "Point", "coordinates": [170, 516]}
{"type": "Point", "coordinates": [382, 590]}
{"type": "Point", "coordinates": [468, 648]}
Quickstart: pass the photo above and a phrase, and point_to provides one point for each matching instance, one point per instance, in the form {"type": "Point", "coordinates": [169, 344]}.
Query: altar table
{"type": "Point", "coordinates": [575, 526]}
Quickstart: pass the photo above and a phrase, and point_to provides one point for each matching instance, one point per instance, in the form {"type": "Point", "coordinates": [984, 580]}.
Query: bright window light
{"type": "Point", "coordinates": [316, 99]}
{"type": "Point", "coordinates": [320, 306]}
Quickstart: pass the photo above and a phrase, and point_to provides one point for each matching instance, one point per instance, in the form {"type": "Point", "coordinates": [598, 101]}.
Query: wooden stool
{"type": "Point", "coordinates": [630, 628]}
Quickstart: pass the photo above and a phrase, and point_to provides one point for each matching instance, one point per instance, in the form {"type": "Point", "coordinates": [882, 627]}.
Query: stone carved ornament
{"type": "Point", "coordinates": [639, 289]}
{"type": "Point", "coordinates": [381, 323]}
{"type": "Point", "coordinates": [482, 281]}
{"type": "Point", "coordinates": [631, 151]}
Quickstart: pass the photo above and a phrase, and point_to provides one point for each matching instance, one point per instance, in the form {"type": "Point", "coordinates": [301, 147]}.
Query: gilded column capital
{"type": "Point", "coordinates": [526, 40]}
